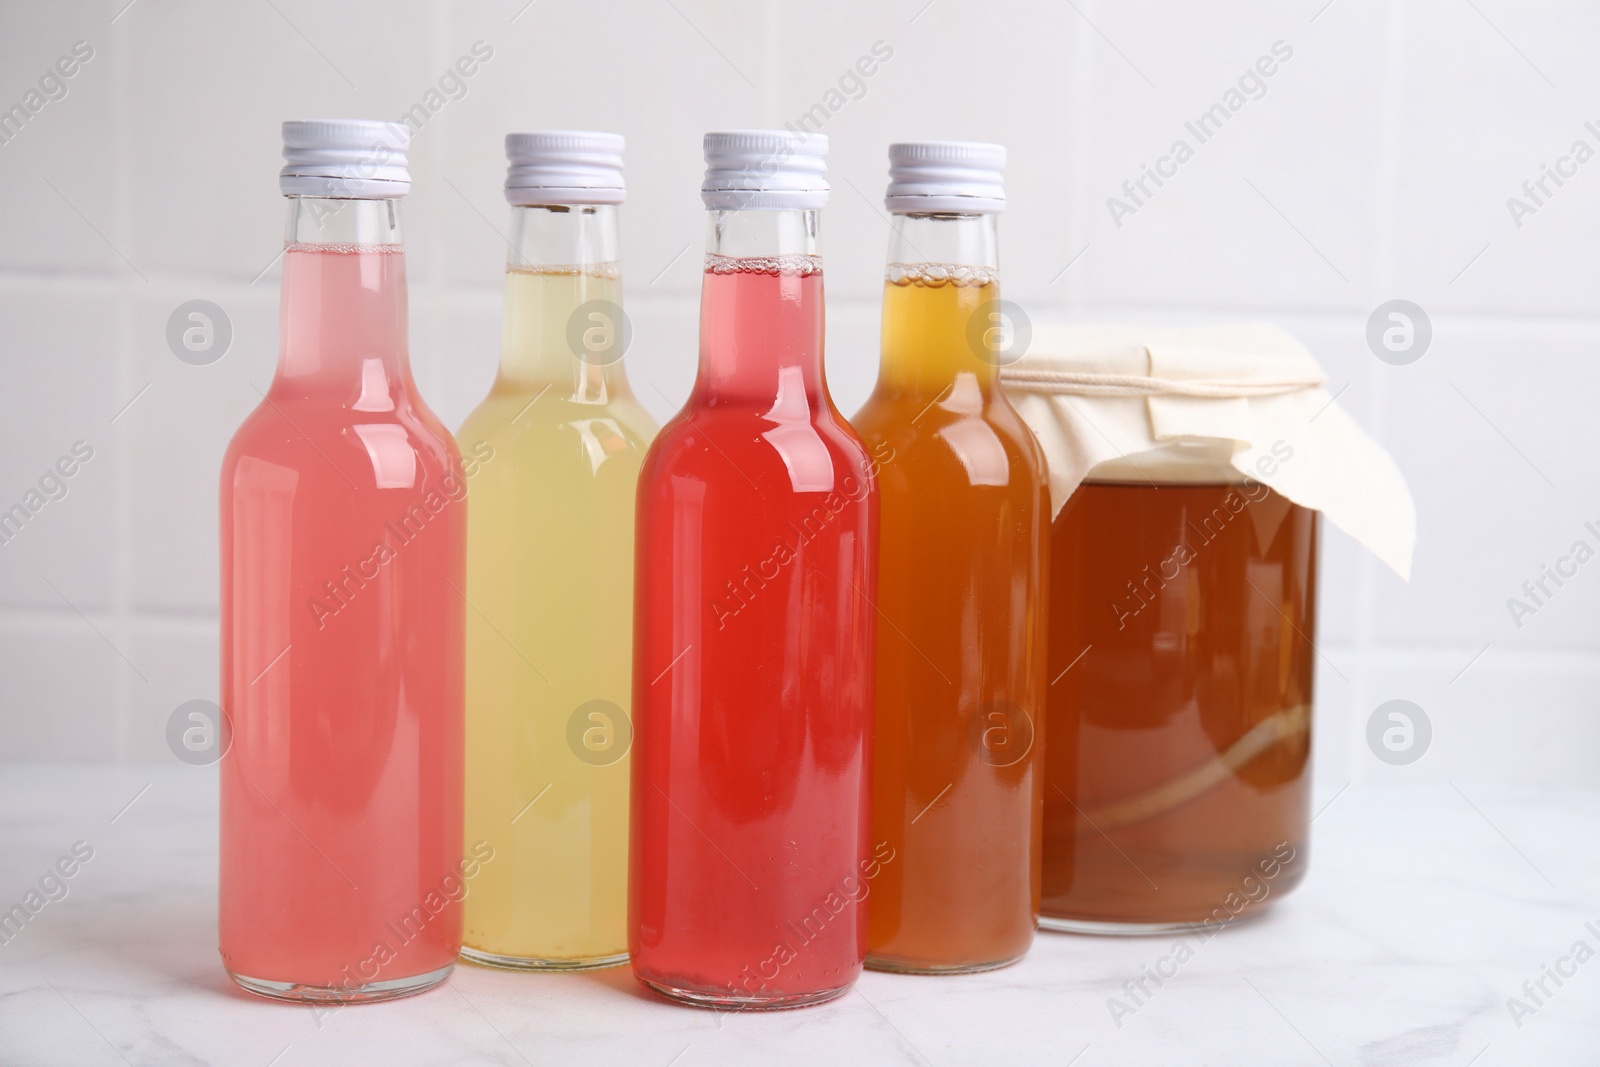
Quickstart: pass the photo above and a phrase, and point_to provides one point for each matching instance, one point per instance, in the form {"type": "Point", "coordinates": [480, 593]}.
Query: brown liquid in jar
{"type": "Point", "coordinates": [1177, 755]}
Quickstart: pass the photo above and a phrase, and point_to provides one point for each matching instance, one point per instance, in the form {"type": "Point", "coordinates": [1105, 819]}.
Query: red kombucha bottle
{"type": "Point", "coordinates": [753, 624]}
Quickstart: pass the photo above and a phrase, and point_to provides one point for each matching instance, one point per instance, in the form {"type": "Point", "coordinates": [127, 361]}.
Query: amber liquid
{"type": "Point", "coordinates": [1181, 629]}
{"type": "Point", "coordinates": [964, 516]}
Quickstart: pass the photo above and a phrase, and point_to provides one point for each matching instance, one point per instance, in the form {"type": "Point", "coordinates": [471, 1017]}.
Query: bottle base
{"type": "Point", "coordinates": [893, 965]}
{"type": "Point", "coordinates": [533, 963]}
{"type": "Point", "coordinates": [1103, 928]}
{"type": "Point", "coordinates": [696, 998]}
{"type": "Point", "coordinates": [370, 993]}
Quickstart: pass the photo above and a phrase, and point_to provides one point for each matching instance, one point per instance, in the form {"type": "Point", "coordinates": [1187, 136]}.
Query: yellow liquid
{"type": "Point", "coordinates": [553, 454]}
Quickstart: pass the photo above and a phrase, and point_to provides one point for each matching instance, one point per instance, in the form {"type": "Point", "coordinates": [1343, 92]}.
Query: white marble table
{"type": "Point", "coordinates": [1425, 909]}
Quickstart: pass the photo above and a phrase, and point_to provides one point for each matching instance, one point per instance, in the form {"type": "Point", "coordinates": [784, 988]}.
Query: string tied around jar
{"type": "Point", "coordinates": [1078, 383]}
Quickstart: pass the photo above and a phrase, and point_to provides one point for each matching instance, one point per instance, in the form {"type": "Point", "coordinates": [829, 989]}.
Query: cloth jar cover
{"type": "Point", "coordinates": [1249, 396]}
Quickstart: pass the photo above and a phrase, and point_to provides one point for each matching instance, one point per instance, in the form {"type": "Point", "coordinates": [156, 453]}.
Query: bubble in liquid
{"type": "Point", "coordinates": [937, 275]}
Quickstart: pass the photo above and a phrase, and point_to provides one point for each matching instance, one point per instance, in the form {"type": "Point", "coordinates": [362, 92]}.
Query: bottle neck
{"type": "Point", "coordinates": [342, 315]}
{"type": "Point", "coordinates": [761, 318]}
{"type": "Point", "coordinates": [940, 311]}
{"type": "Point", "coordinates": [564, 331]}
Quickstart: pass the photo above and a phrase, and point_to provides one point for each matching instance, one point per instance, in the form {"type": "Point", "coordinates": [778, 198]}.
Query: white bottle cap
{"type": "Point", "coordinates": [351, 159]}
{"type": "Point", "coordinates": [564, 167]}
{"type": "Point", "coordinates": [946, 176]}
{"type": "Point", "coordinates": [765, 169]}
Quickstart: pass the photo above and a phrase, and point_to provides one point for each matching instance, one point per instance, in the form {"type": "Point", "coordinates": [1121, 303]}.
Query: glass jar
{"type": "Point", "coordinates": [1178, 724]}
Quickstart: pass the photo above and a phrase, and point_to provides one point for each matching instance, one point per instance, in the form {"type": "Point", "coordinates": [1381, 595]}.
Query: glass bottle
{"type": "Point", "coordinates": [1183, 609]}
{"type": "Point", "coordinates": [753, 624]}
{"type": "Point", "coordinates": [963, 542]}
{"type": "Point", "coordinates": [343, 529]}
{"type": "Point", "coordinates": [556, 448]}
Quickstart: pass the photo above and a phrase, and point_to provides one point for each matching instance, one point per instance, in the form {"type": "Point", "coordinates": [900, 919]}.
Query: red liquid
{"type": "Point", "coordinates": [753, 645]}
{"type": "Point", "coordinates": [341, 659]}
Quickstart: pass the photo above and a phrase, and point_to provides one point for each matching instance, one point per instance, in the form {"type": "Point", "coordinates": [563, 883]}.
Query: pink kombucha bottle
{"type": "Point", "coordinates": [343, 526]}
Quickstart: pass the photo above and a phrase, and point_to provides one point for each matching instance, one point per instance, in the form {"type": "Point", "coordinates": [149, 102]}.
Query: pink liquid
{"type": "Point", "coordinates": [751, 859]}
{"type": "Point", "coordinates": [343, 530]}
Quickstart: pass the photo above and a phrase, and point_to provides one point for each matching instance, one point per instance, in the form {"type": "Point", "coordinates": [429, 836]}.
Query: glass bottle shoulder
{"type": "Point", "coordinates": [311, 440]}
{"type": "Point", "coordinates": [809, 450]}
{"type": "Point", "coordinates": [960, 434]}
{"type": "Point", "coordinates": [536, 429]}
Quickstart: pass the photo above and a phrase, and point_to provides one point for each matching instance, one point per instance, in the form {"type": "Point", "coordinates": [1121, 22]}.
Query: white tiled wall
{"type": "Point", "coordinates": [1375, 164]}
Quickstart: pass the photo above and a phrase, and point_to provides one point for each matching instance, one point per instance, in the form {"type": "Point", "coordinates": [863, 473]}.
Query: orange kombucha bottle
{"type": "Point", "coordinates": [963, 540]}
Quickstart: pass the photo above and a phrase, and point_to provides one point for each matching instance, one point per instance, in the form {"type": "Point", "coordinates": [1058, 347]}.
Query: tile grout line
{"type": "Point", "coordinates": [123, 552]}
{"type": "Point", "coordinates": [439, 57]}
{"type": "Point", "coordinates": [459, 296]}
{"type": "Point", "coordinates": [1390, 126]}
{"type": "Point", "coordinates": [1079, 135]}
